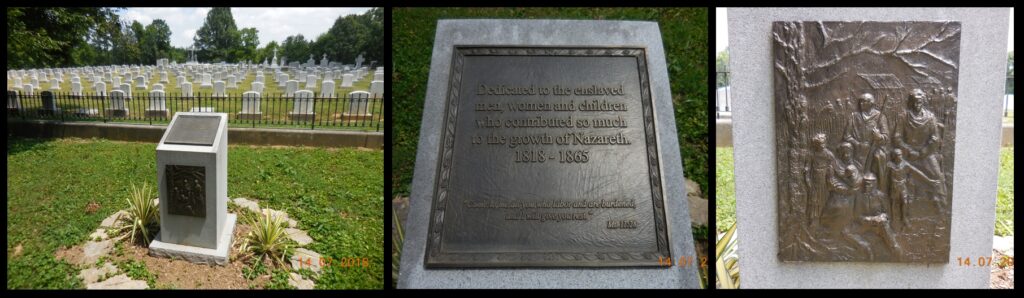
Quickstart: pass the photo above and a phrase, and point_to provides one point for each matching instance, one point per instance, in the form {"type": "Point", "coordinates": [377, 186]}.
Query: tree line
{"type": "Point", "coordinates": [40, 37]}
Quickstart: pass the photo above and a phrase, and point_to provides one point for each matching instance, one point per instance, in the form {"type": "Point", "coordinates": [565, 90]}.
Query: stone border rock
{"type": "Point", "coordinates": [100, 244]}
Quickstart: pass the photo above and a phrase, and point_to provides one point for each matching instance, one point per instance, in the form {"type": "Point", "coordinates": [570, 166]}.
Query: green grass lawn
{"type": "Point", "coordinates": [274, 110]}
{"type": "Point", "coordinates": [683, 31]}
{"type": "Point", "coordinates": [335, 194]}
{"type": "Point", "coordinates": [725, 190]}
{"type": "Point", "coordinates": [725, 201]}
{"type": "Point", "coordinates": [1004, 205]}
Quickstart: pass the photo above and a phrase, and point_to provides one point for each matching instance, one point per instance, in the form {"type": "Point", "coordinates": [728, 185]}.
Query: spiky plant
{"type": "Point", "coordinates": [268, 240]}
{"type": "Point", "coordinates": [396, 252]}
{"type": "Point", "coordinates": [143, 214]}
{"type": "Point", "coordinates": [727, 261]}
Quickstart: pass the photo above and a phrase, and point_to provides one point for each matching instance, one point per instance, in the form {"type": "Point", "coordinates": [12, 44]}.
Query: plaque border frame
{"type": "Point", "coordinates": [435, 257]}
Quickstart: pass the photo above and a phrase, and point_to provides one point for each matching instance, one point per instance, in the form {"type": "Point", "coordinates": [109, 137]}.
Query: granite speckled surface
{"type": "Point", "coordinates": [982, 72]}
{"type": "Point", "coordinates": [546, 33]}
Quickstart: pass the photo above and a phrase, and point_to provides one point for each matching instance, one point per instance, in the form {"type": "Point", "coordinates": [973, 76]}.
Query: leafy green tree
{"type": "Point", "coordinates": [296, 48]}
{"type": "Point", "coordinates": [722, 65]}
{"type": "Point", "coordinates": [351, 36]}
{"type": "Point", "coordinates": [126, 46]}
{"type": "Point", "coordinates": [250, 41]}
{"type": "Point", "coordinates": [1009, 73]}
{"type": "Point", "coordinates": [218, 39]}
{"type": "Point", "coordinates": [50, 36]}
{"type": "Point", "coordinates": [156, 42]}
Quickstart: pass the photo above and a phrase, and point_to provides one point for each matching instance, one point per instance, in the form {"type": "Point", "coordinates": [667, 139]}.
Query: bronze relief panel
{"type": "Point", "coordinates": [186, 190]}
{"type": "Point", "coordinates": [865, 129]}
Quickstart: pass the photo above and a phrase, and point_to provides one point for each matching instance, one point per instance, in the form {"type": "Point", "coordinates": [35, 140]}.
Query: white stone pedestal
{"type": "Point", "coordinates": [192, 175]}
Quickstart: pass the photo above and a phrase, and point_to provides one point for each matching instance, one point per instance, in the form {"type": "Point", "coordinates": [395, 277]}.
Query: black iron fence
{"type": "Point", "coordinates": [1008, 99]}
{"type": "Point", "coordinates": [356, 112]}
{"type": "Point", "coordinates": [723, 101]}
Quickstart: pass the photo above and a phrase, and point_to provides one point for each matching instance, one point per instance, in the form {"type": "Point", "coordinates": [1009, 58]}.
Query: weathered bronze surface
{"type": "Point", "coordinates": [186, 190]}
{"type": "Point", "coordinates": [194, 130]}
{"type": "Point", "coordinates": [865, 129]}
{"type": "Point", "coordinates": [548, 159]}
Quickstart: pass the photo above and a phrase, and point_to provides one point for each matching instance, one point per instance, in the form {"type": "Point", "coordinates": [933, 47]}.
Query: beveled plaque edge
{"type": "Point", "coordinates": [434, 257]}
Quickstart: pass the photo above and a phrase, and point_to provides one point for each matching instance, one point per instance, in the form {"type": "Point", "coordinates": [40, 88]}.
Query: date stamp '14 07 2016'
{"type": "Point", "coordinates": [337, 262]}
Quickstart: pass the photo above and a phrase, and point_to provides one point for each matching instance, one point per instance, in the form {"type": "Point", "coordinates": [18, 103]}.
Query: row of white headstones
{"type": "Point", "coordinates": [250, 99]}
{"type": "Point", "coordinates": [291, 86]}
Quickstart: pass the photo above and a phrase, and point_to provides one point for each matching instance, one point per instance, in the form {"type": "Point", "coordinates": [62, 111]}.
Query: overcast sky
{"type": "Point", "coordinates": [274, 24]}
{"type": "Point", "coordinates": [722, 30]}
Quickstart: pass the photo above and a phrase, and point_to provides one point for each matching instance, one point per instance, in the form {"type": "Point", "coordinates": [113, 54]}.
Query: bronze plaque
{"type": "Point", "coordinates": [865, 129]}
{"type": "Point", "coordinates": [193, 130]}
{"type": "Point", "coordinates": [186, 190]}
{"type": "Point", "coordinates": [548, 159]}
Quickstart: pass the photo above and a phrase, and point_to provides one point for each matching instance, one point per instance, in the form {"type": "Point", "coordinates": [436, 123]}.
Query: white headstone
{"type": "Point", "coordinates": [358, 103]}
{"type": "Point", "coordinates": [13, 102]}
{"type": "Point", "coordinates": [180, 79]}
{"type": "Point", "coordinates": [157, 101]}
{"type": "Point", "coordinates": [377, 89]}
{"type": "Point", "coordinates": [327, 89]}
{"type": "Point", "coordinates": [293, 85]}
{"type": "Point", "coordinates": [117, 100]}
{"type": "Point", "coordinates": [100, 88]}
{"type": "Point", "coordinates": [27, 90]}
{"type": "Point", "coordinates": [76, 88]}
{"type": "Point", "coordinates": [283, 80]}
{"type": "Point", "coordinates": [127, 88]}
{"type": "Point", "coordinates": [54, 84]}
{"type": "Point", "coordinates": [206, 82]}
{"type": "Point", "coordinates": [257, 87]}
{"type": "Point", "coordinates": [158, 86]}
{"type": "Point", "coordinates": [303, 102]}
{"type": "Point", "coordinates": [218, 89]}
{"type": "Point", "coordinates": [140, 82]}
{"type": "Point", "coordinates": [231, 82]}
{"type": "Point", "coordinates": [251, 102]}
{"type": "Point", "coordinates": [186, 89]}
{"type": "Point", "coordinates": [311, 82]}
{"type": "Point", "coordinates": [378, 76]}
{"type": "Point", "coordinates": [346, 80]}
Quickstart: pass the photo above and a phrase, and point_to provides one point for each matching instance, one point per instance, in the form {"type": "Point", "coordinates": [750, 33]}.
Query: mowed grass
{"type": "Point", "coordinates": [335, 194]}
{"type": "Point", "coordinates": [273, 105]}
{"type": "Point", "coordinates": [725, 191]}
{"type": "Point", "coordinates": [1004, 204]}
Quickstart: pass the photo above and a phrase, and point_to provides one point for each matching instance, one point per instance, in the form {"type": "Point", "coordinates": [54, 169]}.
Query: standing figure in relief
{"type": "Point", "coordinates": [820, 178]}
{"type": "Point", "coordinates": [919, 141]}
{"type": "Point", "coordinates": [868, 131]}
